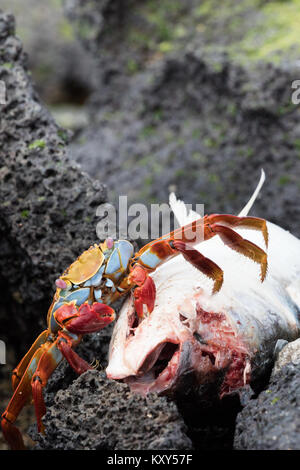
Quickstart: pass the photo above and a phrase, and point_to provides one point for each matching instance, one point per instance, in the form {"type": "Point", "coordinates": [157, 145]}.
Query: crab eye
{"type": "Point", "coordinates": [109, 243]}
{"type": "Point", "coordinates": [61, 284]}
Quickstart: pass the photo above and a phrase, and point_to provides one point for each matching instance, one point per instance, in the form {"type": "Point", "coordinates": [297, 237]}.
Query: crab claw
{"type": "Point", "coordinates": [86, 319]}
{"type": "Point", "coordinates": [144, 295]}
{"type": "Point", "coordinates": [145, 291]}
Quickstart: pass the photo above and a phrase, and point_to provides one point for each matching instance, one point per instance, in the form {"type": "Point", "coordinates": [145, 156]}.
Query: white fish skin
{"type": "Point", "coordinates": [238, 327]}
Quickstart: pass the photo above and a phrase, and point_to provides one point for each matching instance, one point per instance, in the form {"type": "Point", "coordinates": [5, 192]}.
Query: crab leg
{"type": "Point", "coordinates": [61, 348]}
{"type": "Point", "coordinates": [20, 398]}
{"type": "Point", "coordinates": [155, 253]}
{"type": "Point", "coordinates": [232, 221]}
{"type": "Point", "coordinates": [237, 243]}
{"type": "Point", "coordinates": [205, 265]}
{"type": "Point", "coordinates": [48, 362]}
{"type": "Point", "coordinates": [19, 371]}
{"type": "Point", "coordinates": [86, 319]}
{"type": "Point", "coordinates": [231, 239]}
{"type": "Point", "coordinates": [43, 358]}
{"type": "Point", "coordinates": [65, 345]}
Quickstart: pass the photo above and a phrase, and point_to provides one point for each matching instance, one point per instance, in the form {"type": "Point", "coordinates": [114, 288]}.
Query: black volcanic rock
{"type": "Point", "coordinates": [272, 420]}
{"type": "Point", "coordinates": [47, 204]}
{"type": "Point", "coordinates": [95, 413]}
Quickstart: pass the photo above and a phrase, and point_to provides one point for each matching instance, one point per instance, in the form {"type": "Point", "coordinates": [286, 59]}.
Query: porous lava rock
{"type": "Point", "coordinates": [95, 413]}
{"type": "Point", "coordinates": [271, 421]}
{"type": "Point", "coordinates": [47, 203]}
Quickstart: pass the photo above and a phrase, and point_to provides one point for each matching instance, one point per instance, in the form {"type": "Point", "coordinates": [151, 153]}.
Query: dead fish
{"type": "Point", "coordinates": [227, 338]}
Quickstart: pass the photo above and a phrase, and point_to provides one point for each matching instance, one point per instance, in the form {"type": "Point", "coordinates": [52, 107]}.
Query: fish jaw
{"type": "Point", "coordinates": [136, 348]}
{"type": "Point", "coordinates": [166, 347]}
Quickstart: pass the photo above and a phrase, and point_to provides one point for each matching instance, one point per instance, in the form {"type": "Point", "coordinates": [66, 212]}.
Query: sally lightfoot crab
{"type": "Point", "coordinates": [101, 275]}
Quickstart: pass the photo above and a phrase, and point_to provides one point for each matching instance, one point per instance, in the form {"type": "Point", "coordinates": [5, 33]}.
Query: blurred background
{"type": "Point", "coordinates": [161, 95]}
{"type": "Point", "coordinates": [152, 96]}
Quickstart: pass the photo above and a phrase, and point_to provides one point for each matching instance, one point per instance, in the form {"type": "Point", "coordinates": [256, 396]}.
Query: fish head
{"type": "Point", "coordinates": [178, 344]}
